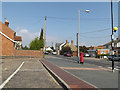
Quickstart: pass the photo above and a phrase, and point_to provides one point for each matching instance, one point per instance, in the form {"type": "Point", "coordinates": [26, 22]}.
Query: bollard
{"type": "Point", "coordinates": [81, 58]}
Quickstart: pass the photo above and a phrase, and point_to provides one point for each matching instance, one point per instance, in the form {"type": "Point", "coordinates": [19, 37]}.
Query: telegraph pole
{"type": "Point", "coordinates": [45, 35]}
{"type": "Point", "coordinates": [112, 38]}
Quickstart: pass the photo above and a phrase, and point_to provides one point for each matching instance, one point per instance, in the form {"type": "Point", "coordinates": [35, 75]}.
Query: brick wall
{"type": "Point", "coordinates": [7, 47]}
{"type": "Point", "coordinates": [30, 53]}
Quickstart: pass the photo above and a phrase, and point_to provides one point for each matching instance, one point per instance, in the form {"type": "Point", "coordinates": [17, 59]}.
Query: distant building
{"type": "Point", "coordinates": [94, 47]}
{"type": "Point", "coordinates": [116, 45]}
{"type": "Point", "coordinates": [59, 47]}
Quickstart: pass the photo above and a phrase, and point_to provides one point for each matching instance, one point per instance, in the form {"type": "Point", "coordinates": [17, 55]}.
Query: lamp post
{"type": "Point", "coordinates": [78, 33]}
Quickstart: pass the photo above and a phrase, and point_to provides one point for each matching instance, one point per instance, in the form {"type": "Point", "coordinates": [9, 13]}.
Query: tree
{"type": "Point", "coordinates": [41, 39]}
{"type": "Point", "coordinates": [83, 49]}
{"type": "Point", "coordinates": [25, 48]}
{"type": "Point", "coordinates": [66, 49]}
{"type": "Point", "coordinates": [22, 46]}
{"type": "Point", "coordinates": [37, 43]}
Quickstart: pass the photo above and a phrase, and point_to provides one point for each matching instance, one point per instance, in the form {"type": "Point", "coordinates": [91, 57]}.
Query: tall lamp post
{"type": "Point", "coordinates": [78, 33]}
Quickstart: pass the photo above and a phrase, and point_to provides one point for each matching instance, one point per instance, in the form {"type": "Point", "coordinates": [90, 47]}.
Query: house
{"type": "Point", "coordinates": [116, 45]}
{"type": "Point", "coordinates": [9, 39]}
{"type": "Point", "coordinates": [59, 47]}
{"type": "Point", "coordinates": [10, 44]}
{"type": "Point", "coordinates": [72, 46]}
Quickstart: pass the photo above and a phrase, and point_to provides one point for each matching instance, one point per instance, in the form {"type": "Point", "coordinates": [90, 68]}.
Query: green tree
{"type": "Point", "coordinates": [41, 39]}
{"type": "Point", "coordinates": [66, 49]}
{"type": "Point", "coordinates": [25, 48]}
{"type": "Point", "coordinates": [37, 43]}
{"type": "Point", "coordinates": [83, 49]}
{"type": "Point", "coordinates": [22, 46]}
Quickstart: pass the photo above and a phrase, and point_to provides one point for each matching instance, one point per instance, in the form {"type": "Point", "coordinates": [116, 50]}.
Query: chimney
{"type": "Point", "coordinates": [7, 23]}
{"type": "Point", "coordinates": [72, 41]}
{"type": "Point", "coordinates": [66, 41]}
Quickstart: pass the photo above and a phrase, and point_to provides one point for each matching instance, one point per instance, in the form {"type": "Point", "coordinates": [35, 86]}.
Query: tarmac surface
{"type": "Point", "coordinates": [31, 74]}
{"type": "Point", "coordinates": [99, 76]}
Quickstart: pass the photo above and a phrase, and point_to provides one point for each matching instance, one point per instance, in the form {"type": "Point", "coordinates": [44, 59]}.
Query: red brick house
{"type": "Point", "coordinates": [10, 44]}
{"type": "Point", "coordinates": [9, 39]}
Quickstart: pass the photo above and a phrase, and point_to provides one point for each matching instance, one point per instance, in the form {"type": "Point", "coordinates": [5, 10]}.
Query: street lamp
{"type": "Point", "coordinates": [78, 33]}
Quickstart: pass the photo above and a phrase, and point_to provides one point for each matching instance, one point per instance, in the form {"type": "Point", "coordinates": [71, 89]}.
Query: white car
{"type": "Point", "coordinates": [86, 55]}
{"type": "Point", "coordinates": [54, 53]}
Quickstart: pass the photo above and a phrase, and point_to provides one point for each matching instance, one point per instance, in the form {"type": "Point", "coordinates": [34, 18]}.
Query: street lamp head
{"type": "Point", "coordinates": [87, 11]}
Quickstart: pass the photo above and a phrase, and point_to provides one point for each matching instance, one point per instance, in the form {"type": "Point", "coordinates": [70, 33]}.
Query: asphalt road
{"type": "Point", "coordinates": [31, 74]}
{"type": "Point", "coordinates": [100, 77]}
{"type": "Point", "coordinates": [102, 62]}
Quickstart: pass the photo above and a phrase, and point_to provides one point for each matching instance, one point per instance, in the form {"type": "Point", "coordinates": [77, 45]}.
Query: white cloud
{"type": "Point", "coordinates": [28, 36]}
{"type": "Point", "coordinates": [23, 31]}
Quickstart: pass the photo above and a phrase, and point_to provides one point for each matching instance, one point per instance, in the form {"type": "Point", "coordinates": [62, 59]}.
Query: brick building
{"type": "Point", "coordinates": [11, 44]}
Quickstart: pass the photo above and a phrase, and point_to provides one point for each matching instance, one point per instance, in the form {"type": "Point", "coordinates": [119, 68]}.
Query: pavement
{"type": "Point", "coordinates": [93, 75]}
{"type": "Point", "coordinates": [26, 73]}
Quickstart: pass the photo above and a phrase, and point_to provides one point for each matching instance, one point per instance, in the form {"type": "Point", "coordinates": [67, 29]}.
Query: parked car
{"type": "Point", "coordinates": [54, 53]}
{"type": "Point", "coordinates": [67, 54]}
{"type": "Point", "coordinates": [115, 57]}
{"type": "Point", "coordinates": [86, 55]}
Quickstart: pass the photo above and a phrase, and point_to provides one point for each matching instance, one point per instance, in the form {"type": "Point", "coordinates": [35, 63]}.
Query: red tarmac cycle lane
{"type": "Point", "coordinates": [69, 79]}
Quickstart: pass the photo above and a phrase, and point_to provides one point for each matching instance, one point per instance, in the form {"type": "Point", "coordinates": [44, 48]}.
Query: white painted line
{"type": "Point", "coordinates": [7, 80]}
{"type": "Point", "coordinates": [114, 68]}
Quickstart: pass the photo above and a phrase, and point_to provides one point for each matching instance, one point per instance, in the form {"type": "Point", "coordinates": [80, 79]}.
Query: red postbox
{"type": "Point", "coordinates": [81, 58]}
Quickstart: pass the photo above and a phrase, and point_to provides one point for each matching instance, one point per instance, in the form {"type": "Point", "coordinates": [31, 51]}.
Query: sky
{"type": "Point", "coordinates": [27, 19]}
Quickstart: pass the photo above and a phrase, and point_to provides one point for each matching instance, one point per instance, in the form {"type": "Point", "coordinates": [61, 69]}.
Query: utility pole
{"type": "Point", "coordinates": [45, 35]}
{"type": "Point", "coordinates": [78, 36]}
{"type": "Point", "coordinates": [112, 37]}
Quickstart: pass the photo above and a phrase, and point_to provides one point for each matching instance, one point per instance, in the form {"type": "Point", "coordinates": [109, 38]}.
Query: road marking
{"type": "Point", "coordinates": [75, 68]}
{"type": "Point", "coordinates": [7, 80]}
{"type": "Point", "coordinates": [114, 68]}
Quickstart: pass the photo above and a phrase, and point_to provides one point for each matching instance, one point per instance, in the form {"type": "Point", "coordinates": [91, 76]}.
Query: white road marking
{"type": "Point", "coordinates": [114, 68]}
{"type": "Point", "coordinates": [7, 80]}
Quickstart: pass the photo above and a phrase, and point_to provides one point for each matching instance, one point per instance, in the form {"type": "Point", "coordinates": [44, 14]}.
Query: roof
{"type": "Point", "coordinates": [58, 44]}
{"type": "Point", "coordinates": [6, 30]}
{"type": "Point", "coordinates": [18, 38]}
{"type": "Point", "coordinates": [4, 27]}
{"type": "Point", "coordinates": [109, 43]}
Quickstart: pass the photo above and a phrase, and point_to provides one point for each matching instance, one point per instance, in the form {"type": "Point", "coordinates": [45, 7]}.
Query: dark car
{"type": "Point", "coordinates": [115, 57]}
{"type": "Point", "coordinates": [67, 54]}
